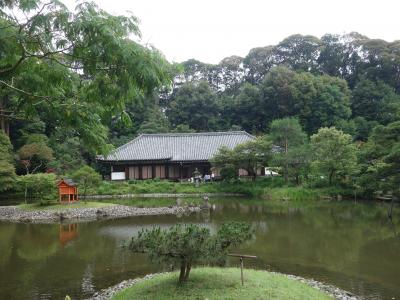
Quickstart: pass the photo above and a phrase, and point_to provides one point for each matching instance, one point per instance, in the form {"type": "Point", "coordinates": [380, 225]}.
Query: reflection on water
{"type": "Point", "coordinates": [68, 232]}
{"type": "Point", "coordinates": [350, 245]}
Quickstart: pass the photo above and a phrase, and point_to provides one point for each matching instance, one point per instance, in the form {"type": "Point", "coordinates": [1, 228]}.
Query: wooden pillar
{"type": "Point", "coordinates": [140, 171]}
{"type": "Point", "coordinates": [180, 171]}
{"type": "Point", "coordinates": [166, 171]}
{"type": "Point", "coordinates": [153, 171]}
{"type": "Point", "coordinates": [126, 172]}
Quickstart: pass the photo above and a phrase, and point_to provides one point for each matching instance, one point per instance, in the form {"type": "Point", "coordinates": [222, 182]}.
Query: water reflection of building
{"type": "Point", "coordinates": [68, 232]}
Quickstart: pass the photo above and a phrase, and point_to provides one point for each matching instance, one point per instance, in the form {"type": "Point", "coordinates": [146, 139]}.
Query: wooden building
{"type": "Point", "coordinates": [67, 190]}
{"type": "Point", "coordinates": [172, 156]}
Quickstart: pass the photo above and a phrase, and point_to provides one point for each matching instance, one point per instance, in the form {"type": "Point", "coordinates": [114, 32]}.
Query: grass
{"type": "Point", "coordinates": [246, 187]}
{"type": "Point", "coordinates": [58, 206]}
{"type": "Point", "coordinates": [155, 202]}
{"type": "Point", "coordinates": [267, 188]}
{"type": "Point", "coordinates": [221, 283]}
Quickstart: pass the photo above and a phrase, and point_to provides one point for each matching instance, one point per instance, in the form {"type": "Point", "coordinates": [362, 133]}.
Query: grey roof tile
{"type": "Point", "coordinates": [177, 146]}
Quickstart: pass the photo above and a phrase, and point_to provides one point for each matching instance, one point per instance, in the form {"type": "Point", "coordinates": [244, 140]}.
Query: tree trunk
{"type": "Point", "coordinates": [390, 211]}
{"type": "Point", "coordinates": [182, 273]}
{"type": "Point", "coordinates": [332, 172]}
{"type": "Point", "coordinates": [286, 165]}
{"type": "Point", "coordinates": [4, 122]}
{"type": "Point", "coordinates": [26, 192]}
{"type": "Point", "coordinates": [188, 268]}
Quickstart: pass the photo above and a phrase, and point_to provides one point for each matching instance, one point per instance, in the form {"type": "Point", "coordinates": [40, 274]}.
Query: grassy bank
{"type": "Point", "coordinates": [58, 206]}
{"type": "Point", "coordinates": [217, 283]}
{"type": "Point", "coordinates": [155, 202]}
{"type": "Point", "coordinates": [262, 188]}
{"type": "Point", "coordinates": [267, 188]}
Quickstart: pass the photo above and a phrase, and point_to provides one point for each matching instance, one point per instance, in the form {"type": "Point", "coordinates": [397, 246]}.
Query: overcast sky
{"type": "Point", "coordinates": [210, 30]}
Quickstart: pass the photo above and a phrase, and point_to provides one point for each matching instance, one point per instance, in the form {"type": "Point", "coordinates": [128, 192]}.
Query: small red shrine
{"type": "Point", "coordinates": [67, 190]}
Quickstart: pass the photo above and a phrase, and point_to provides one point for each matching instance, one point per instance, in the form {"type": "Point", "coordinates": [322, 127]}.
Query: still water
{"type": "Point", "coordinates": [353, 246]}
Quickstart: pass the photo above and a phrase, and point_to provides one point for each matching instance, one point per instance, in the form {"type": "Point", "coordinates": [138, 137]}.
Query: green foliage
{"type": "Point", "coordinates": [40, 186]}
{"type": "Point", "coordinates": [195, 106]}
{"type": "Point", "coordinates": [294, 156]}
{"type": "Point", "coordinates": [7, 169]}
{"type": "Point", "coordinates": [375, 101]}
{"type": "Point", "coordinates": [68, 151]}
{"type": "Point", "coordinates": [86, 177]}
{"type": "Point", "coordinates": [5, 148]}
{"type": "Point", "coordinates": [7, 175]}
{"type": "Point", "coordinates": [154, 122]}
{"type": "Point", "coordinates": [186, 245]}
{"type": "Point", "coordinates": [380, 160]}
{"type": "Point", "coordinates": [63, 64]}
{"type": "Point", "coordinates": [35, 157]}
{"type": "Point", "coordinates": [334, 154]}
{"type": "Point", "coordinates": [249, 156]}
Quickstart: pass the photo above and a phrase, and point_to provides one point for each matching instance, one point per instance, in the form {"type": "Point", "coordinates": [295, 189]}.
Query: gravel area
{"type": "Point", "coordinates": [15, 214]}
{"type": "Point", "coordinates": [108, 293]}
{"type": "Point", "coordinates": [333, 291]}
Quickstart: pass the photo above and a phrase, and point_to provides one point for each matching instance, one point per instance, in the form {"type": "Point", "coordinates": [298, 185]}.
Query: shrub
{"type": "Point", "coordinates": [186, 245]}
{"type": "Point", "coordinates": [39, 186]}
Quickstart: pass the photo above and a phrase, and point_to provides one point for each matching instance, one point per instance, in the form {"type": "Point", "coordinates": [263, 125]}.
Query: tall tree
{"type": "Point", "coordinates": [299, 52]}
{"type": "Point", "coordinates": [249, 156]}
{"type": "Point", "coordinates": [196, 106]}
{"type": "Point", "coordinates": [335, 155]}
{"type": "Point", "coordinates": [63, 64]}
{"type": "Point", "coordinates": [375, 101]}
{"type": "Point", "coordinates": [380, 160]}
{"type": "Point", "coordinates": [287, 134]}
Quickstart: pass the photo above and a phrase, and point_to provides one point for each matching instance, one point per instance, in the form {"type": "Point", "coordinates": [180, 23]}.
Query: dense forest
{"type": "Point", "coordinates": [74, 84]}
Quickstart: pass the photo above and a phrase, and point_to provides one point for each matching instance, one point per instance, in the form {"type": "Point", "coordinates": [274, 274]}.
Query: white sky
{"type": "Point", "coordinates": [210, 30]}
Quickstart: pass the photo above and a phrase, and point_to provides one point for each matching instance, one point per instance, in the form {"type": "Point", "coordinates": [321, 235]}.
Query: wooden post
{"type": "Point", "coordinates": [166, 171]}
{"type": "Point", "coordinates": [241, 256]}
{"type": "Point", "coordinates": [241, 270]}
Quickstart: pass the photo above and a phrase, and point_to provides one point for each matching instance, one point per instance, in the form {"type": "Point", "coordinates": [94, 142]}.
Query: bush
{"type": "Point", "coordinates": [41, 186]}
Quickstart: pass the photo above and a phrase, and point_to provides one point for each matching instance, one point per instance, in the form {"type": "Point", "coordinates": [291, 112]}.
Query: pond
{"type": "Point", "coordinates": [352, 246]}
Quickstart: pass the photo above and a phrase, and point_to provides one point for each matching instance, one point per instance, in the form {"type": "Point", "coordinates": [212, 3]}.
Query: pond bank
{"type": "Point", "coordinates": [163, 195]}
{"type": "Point", "coordinates": [330, 290]}
{"type": "Point", "coordinates": [16, 214]}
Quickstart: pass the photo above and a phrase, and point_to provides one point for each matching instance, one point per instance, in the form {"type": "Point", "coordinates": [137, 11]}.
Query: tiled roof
{"type": "Point", "coordinates": [177, 146]}
{"type": "Point", "coordinates": [70, 182]}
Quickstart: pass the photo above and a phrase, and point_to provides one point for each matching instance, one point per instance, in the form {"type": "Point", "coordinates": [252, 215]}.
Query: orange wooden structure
{"type": "Point", "coordinates": [68, 190]}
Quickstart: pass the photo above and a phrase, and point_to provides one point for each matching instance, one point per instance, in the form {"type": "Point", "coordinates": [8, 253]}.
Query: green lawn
{"type": "Point", "coordinates": [221, 283]}
{"type": "Point", "coordinates": [58, 206]}
{"type": "Point", "coordinates": [154, 202]}
{"type": "Point", "coordinates": [271, 188]}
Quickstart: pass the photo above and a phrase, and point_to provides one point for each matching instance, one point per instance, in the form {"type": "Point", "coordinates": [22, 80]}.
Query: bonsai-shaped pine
{"type": "Point", "coordinates": [186, 245]}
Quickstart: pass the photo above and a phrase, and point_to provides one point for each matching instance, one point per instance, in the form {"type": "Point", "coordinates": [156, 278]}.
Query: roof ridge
{"type": "Point", "coordinates": [236, 132]}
